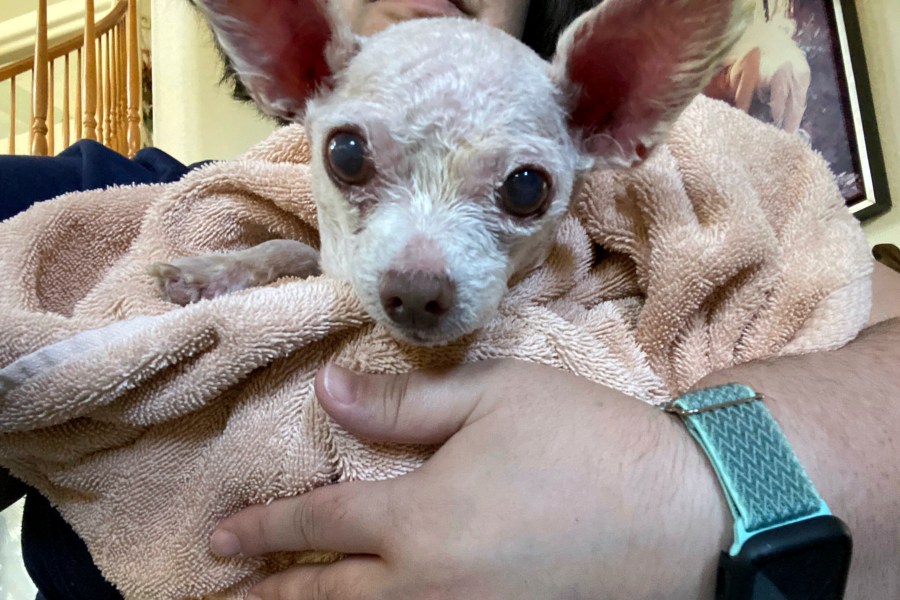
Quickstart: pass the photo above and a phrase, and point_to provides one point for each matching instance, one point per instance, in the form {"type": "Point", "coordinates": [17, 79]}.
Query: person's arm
{"type": "Point", "coordinates": [885, 294]}
{"type": "Point", "coordinates": [553, 487]}
{"type": "Point", "coordinates": [841, 412]}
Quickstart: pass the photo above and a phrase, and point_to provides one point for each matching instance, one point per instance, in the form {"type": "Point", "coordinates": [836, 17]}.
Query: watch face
{"type": "Point", "coordinates": [802, 561]}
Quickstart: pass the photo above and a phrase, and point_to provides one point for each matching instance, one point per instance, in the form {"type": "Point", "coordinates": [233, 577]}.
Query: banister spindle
{"type": "Point", "coordinates": [134, 81]}
{"type": "Point", "coordinates": [78, 92]}
{"type": "Point", "coordinates": [67, 125]}
{"type": "Point", "coordinates": [12, 115]}
{"type": "Point", "coordinates": [105, 75]}
{"type": "Point", "coordinates": [39, 90]}
{"type": "Point", "coordinates": [51, 104]}
{"type": "Point", "coordinates": [123, 88]}
{"type": "Point", "coordinates": [99, 81]}
{"type": "Point", "coordinates": [89, 81]}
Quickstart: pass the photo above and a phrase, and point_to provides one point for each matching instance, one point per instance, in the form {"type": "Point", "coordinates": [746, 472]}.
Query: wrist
{"type": "Point", "coordinates": [787, 542]}
{"type": "Point", "coordinates": [839, 412]}
{"type": "Point", "coordinates": [680, 521]}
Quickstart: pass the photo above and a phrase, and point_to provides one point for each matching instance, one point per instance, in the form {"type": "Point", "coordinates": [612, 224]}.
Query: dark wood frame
{"type": "Point", "coordinates": [857, 95]}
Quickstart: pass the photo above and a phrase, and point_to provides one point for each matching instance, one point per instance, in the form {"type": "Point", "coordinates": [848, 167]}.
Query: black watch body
{"type": "Point", "coordinates": [806, 560]}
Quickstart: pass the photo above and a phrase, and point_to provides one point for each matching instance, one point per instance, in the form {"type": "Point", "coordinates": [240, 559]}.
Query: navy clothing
{"type": "Point", "coordinates": [56, 558]}
{"type": "Point", "coordinates": [85, 165]}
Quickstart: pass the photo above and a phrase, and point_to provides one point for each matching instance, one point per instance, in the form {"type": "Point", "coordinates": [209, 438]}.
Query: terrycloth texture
{"type": "Point", "coordinates": [731, 243]}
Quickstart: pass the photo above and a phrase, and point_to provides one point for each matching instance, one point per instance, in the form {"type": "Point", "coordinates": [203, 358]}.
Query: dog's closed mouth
{"type": "Point", "coordinates": [419, 338]}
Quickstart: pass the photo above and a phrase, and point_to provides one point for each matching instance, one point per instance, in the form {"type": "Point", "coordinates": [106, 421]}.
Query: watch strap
{"type": "Point", "coordinates": [764, 483]}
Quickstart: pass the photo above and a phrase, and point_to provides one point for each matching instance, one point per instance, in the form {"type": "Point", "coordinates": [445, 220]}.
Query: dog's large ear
{"type": "Point", "coordinates": [630, 67]}
{"type": "Point", "coordinates": [282, 50]}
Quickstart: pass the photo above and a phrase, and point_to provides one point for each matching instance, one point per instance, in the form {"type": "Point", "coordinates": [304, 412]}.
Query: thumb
{"type": "Point", "coordinates": [422, 407]}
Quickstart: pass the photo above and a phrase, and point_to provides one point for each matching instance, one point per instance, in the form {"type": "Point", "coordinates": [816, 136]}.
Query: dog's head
{"type": "Point", "coordinates": [445, 151]}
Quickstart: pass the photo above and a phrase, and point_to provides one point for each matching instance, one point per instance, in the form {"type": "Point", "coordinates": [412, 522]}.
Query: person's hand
{"type": "Point", "coordinates": [549, 486]}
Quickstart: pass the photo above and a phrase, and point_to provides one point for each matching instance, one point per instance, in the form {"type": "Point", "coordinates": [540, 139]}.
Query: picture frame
{"type": "Point", "coordinates": [801, 66]}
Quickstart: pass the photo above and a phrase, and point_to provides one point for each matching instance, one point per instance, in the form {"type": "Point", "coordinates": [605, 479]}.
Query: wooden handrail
{"type": "Point", "coordinates": [67, 45]}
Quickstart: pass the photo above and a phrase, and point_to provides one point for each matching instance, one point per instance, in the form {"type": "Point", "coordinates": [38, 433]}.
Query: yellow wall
{"type": "Point", "coordinates": [194, 117]}
{"type": "Point", "coordinates": [11, 10]}
{"type": "Point", "coordinates": [880, 24]}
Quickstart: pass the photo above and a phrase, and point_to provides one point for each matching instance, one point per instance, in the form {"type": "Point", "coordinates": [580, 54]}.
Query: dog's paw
{"type": "Point", "coordinates": [195, 278]}
{"type": "Point", "coordinates": [188, 280]}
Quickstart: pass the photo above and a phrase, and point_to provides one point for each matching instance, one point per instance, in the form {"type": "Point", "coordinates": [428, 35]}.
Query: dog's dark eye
{"type": "Point", "coordinates": [525, 192]}
{"type": "Point", "coordinates": [347, 158]}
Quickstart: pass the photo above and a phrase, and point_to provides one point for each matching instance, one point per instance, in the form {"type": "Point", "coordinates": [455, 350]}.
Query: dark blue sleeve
{"type": "Point", "coordinates": [11, 489]}
{"type": "Point", "coordinates": [56, 558]}
{"type": "Point", "coordinates": [86, 165]}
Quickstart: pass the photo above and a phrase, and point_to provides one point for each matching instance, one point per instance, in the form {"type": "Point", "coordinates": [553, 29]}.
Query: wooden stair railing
{"type": "Point", "coordinates": [107, 96]}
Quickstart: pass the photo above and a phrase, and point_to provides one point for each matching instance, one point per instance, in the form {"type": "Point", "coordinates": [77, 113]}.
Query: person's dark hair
{"type": "Point", "coordinates": [545, 21]}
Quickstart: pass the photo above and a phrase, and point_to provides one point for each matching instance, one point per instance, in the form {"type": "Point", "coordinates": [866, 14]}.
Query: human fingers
{"type": "Point", "coordinates": [355, 578]}
{"type": "Point", "coordinates": [422, 407]}
{"type": "Point", "coordinates": [348, 517]}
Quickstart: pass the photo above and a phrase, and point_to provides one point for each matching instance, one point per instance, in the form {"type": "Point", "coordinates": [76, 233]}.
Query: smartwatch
{"type": "Point", "coordinates": [787, 544]}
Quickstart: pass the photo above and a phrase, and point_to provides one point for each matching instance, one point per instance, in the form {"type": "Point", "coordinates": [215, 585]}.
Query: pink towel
{"type": "Point", "coordinates": [146, 423]}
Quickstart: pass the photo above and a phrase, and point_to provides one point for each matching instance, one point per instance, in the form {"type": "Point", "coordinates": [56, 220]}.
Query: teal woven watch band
{"type": "Point", "coordinates": [764, 483]}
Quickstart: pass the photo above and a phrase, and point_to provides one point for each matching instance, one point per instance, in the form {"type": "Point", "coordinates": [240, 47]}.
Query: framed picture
{"type": "Point", "coordinates": [800, 66]}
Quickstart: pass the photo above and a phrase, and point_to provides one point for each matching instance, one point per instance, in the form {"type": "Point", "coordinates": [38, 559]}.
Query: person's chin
{"type": "Point", "coordinates": [382, 13]}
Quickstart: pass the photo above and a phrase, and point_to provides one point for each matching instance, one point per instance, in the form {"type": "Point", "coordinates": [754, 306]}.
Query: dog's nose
{"type": "Point", "coordinates": [416, 299]}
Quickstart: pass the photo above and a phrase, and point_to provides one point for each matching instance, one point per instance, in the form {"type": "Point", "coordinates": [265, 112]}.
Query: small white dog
{"type": "Point", "coordinates": [445, 151]}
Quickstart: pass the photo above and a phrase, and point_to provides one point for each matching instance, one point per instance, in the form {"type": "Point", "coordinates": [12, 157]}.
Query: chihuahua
{"type": "Point", "coordinates": [444, 151]}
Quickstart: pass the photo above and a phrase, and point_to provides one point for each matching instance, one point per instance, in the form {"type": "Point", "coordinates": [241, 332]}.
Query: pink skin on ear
{"type": "Point", "coordinates": [602, 116]}
{"type": "Point", "coordinates": [632, 66]}
{"type": "Point", "coordinates": [278, 48]}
